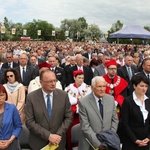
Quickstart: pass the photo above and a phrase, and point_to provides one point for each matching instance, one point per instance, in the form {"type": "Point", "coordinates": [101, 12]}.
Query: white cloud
{"type": "Point", "coordinates": [100, 12]}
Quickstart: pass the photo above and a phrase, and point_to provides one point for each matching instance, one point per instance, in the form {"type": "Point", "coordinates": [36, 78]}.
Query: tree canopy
{"type": "Point", "coordinates": [78, 29]}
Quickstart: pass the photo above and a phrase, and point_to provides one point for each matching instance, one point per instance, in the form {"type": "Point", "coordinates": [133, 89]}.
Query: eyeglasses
{"type": "Point", "coordinates": [112, 68]}
{"type": "Point", "coordinates": [10, 76]}
{"type": "Point", "coordinates": [49, 82]}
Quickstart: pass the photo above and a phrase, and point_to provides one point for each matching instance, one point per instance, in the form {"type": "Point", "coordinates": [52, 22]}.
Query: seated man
{"type": "Point", "coordinates": [97, 113]}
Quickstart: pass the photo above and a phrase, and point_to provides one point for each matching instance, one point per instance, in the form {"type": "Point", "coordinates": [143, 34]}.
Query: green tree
{"type": "Point", "coordinates": [44, 26]}
{"type": "Point", "coordinates": [78, 29]}
{"type": "Point", "coordinates": [8, 25]}
{"type": "Point", "coordinates": [73, 26]}
{"type": "Point", "coordinates": [147, 28]}
{"type": "Point", "coordinates": [115, 27]}
{"type": "Point", "coordinates": [95, 31]}
{"type": "Point", "coordinates": [19, 29]}
{"type": "Point", "coordinates": [60, 35]}
{"type": "Point", "coordinates": [84, 24]}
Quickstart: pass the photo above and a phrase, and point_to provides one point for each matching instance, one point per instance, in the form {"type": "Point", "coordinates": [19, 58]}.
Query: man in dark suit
{"type": "Point", "coordinates": [67, 67]}
{"type": "Point", "coordinates": [40, 53]}
{"type": "Point", "coordinates": [25, 71]}
{"type": "Point", "coordinates": [146, 72]}
{"type": "Point", "coordinates": [88, 74]}
{"type": "Point", "coordinates": [34, 65]}
{"type": "Point", "coordinates": [88, 53]}
{"type": "Point", "coordinates": [9, 63]}
{"type": "Point", "coordinates": [48, 114]}
{"type": "Point", "coordinates": [59, 71]}
{"type": "Point", "coordinates": [127, 71]}
{"type": "Point", "coordinates": [94, 115]}
{"type": "Point", "coordinates": [38, 60]}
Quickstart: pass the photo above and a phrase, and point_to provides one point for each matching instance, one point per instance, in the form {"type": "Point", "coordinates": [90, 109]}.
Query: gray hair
{"type": "Point", "coordinates": [97, 78]}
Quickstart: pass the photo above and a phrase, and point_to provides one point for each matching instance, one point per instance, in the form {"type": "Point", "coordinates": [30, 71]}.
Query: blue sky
{"type": "Point", "coordinates": [99, 12]}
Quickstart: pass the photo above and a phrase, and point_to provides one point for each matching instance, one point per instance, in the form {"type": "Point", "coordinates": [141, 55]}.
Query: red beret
{"type": "Point", "coordinates": [77, 72]}
{"type": "Point", "coordinates": [111, 62]}
{"type": "Point", "coordinates": [44, 64]}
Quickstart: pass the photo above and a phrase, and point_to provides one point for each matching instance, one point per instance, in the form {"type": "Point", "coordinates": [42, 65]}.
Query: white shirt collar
{"type": "Point", "coordinates": [21, 67]}
{"type": "Point", "coordinates": [142, 106]}
{"type": "Point", "coordinates": [80, 68]}
{"type": "Point", "coordinates": [45, 97]}
{"type": "Point", "coordinates": [45, 94]}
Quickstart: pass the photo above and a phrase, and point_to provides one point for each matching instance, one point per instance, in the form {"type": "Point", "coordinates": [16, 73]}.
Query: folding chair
{"type": "Point", "coordinates": [75, 136]}
{"type": "Point", "coordinates": [24, 138]}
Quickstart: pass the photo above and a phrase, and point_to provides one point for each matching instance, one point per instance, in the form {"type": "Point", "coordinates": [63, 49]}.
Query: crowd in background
{"type": "Point", "coordinates": [20, 68]}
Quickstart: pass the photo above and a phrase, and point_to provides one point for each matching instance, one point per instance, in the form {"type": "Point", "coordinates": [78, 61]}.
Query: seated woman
{"type": "Point", "coordinates": [135, 117]}
{"type": "Point", "coordinates": [76, 91]}
{"type": "Point", "coordinates": [35, 83]}
{"type": "Point", "coordinates": [15, 90]}
{"type": "Point", "coordinates": [10, 123]}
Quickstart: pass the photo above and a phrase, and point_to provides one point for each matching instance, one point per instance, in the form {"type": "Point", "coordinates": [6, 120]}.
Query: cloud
{"type": "Point", "coordinates": [102, 13]}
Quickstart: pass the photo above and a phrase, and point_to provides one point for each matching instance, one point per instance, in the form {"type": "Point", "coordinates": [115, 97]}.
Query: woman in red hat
{"type": "Point", "coordinates": [76, 91]}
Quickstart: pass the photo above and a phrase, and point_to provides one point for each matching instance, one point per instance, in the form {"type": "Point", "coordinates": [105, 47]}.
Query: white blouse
{"type": "Point", "coordinates": [142, 106]}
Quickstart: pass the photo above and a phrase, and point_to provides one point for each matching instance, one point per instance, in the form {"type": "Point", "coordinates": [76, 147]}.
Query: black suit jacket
{"type": "Point", "coordinates": [133, 126]}
{"type": "Point", "coordinates": [122, 72]}
{"type": "Point", "coordinates": [87, 55]}
{"type": "Point", "coordinates": [88, 75]}
{"type": "Point", "coordinates": [61, 75]}
{"type": "Point", "coordinates": [30, 75]}
{"type": "Point", "coordinates": [67, 68]}
{"type": "Point", "coordinates": [36, 70]}
{"type": "Point", "coordinates": [5, 65]}
{"type": "Point", "coordinates": [2, 70]}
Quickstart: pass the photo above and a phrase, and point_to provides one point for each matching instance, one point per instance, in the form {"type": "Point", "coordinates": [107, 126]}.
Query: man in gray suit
{"type": "Point", "coordinates": [96, 116]}
{"type": "Point", "coordinates": [48, 114]}
{"type": "Point", "coordinates": [101, 70]}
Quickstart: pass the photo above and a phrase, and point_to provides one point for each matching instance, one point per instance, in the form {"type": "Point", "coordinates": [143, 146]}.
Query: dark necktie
{"type": "Point", "coordinates": [147, 76]}
{"type": "Point", "coordinates": [9, 65]}
{"type": "Point", "coordinates": [101, 107]}
{"type": "Point", "coordinates": [53, 70]}
{"type": "Point", "coordinates": [49, 106]}
{"type": "Point", "coordinates": [23, 74]}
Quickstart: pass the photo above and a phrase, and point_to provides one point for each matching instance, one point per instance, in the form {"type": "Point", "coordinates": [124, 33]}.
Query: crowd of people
{"type": "Point", "coordinates": [52, 86]}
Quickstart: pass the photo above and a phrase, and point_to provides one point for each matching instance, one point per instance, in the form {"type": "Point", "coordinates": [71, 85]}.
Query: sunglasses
{"type": "Point", "coordinates": [10, 76]}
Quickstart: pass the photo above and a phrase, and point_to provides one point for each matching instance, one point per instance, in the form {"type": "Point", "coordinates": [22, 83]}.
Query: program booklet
{"type": "Point", "coordinates": [50, 147]}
